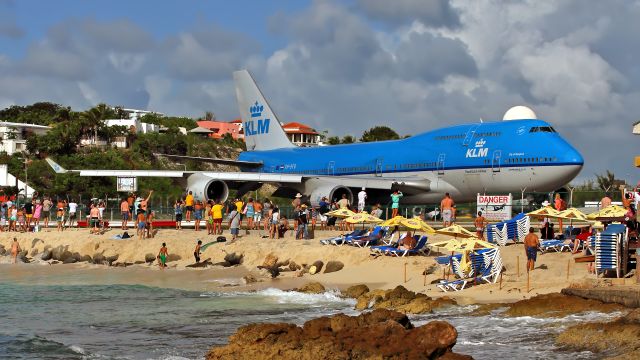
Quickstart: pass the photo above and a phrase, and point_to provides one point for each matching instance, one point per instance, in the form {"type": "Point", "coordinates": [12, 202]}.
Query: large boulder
{"type": "Point", "coordinates": [380, 334]}
{"type": "Point", "coordinates": [355, 291]}
{"type": "Point", "coordinates": [173, 257]}
{"type": "Point", "coordinates": [619, 337]}
{"type": "Point", "coordinates": [333, 266]}
{"type": "Point", "coordinates": [270, 261]}
{"type": "Point", "coordinates": [557, 305]}
{"type": "Point", "coordinates": [149, 258]}
{"type": "Point", "coordinates": [98, 259]}
{"type": "Point", "coordinates": [402, 300]}
{"type": "Point", "coordinates": [111, 259]}
{"type": "Point", "coordinates": [312, 288]}
{"type": "Point", "coordinates": [316, 267]}
{"type": "Point", "coordinates": [3, 251]}
{"type": "Point", "coordinates": [233, 259]}
{"type": "Point", "coordinates": [70, 260]}
{"type": "Point", "coordinates": [56, 252]}
{"type": "Point", "coordinates": [85, 258]}
{"type": "Point", "coordinates": [46, 255]}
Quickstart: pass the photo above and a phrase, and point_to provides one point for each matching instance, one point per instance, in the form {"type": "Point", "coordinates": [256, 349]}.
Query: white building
{"type": "Point", "coordinates": [13, 136]}
{"type": "Point", "coordinates": [7, 179]}
{"type": "Point", "coordinates": [134, 125]}
{"type": "Point", "coordinates": [136, 114]}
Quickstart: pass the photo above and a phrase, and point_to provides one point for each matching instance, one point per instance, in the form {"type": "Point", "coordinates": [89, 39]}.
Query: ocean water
{"type": "Point", "coordinates": [75, 321]}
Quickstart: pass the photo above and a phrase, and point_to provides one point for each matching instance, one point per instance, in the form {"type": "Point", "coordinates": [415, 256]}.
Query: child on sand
{"type": "Point", "coordinates": [15, 250]}
{"type": "Point", "coordinates": [196, 252]}
{"type": "Point", "coordinates": [162, 256]}
{"type": "Point", "coordinates": [60, 218]}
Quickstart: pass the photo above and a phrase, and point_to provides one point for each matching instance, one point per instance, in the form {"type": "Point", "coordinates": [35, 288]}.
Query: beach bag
{"type": "Point", "coordinates": [221, 239]}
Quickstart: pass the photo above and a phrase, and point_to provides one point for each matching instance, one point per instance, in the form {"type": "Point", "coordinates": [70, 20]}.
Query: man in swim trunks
{"type": "Point", "coordinates": [480, 222]}
{"type": "Point", "coordinates": [196, 252]}
{"type": "Point", "coordinates": [15, 250]}
{"type": "Point", "coordinates": [531, 244]}
{"type": "Point", "coordinates": [162, 256]}
{"type": "Point", "coordinates": [446, 207]}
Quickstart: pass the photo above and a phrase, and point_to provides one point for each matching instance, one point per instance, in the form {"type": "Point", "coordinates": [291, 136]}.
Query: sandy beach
{"type": "Point", "coordinates": [382, 272]}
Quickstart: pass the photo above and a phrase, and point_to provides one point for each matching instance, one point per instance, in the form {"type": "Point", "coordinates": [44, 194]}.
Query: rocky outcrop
{"type": "Point", "coordinates": [233, 259]}
{"type": "Point", "coordinates": [557, 305]}
{"type": "Point", "coordinates": [312, 288]}
{"type": "Point", "coordinates": [46, 255]}
{"type": "Point", "coordinates": [401, 299]}
{"type": "Point", "coordinates": [380, 334]}
{"type": "Point", "coordinates": [627, 296]}
{"type": "Point", "coordinates": [355, 291]}
{"type": "Point", "coordinates": [98, 259]}
{"type": "Point", "coordinates": [619, 337]}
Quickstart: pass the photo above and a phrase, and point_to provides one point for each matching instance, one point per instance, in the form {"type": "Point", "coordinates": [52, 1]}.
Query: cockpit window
{"type": "Point", "coordinates": [548, 129]}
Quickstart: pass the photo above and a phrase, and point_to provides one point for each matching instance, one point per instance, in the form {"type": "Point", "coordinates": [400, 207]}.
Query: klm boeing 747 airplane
{"type": "Point", "coordinates": [487, 157]}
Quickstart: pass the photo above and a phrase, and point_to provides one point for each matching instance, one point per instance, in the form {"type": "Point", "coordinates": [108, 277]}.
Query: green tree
{"type": "Point", "coordinates": [606, 181]}
{"type": "Point", "coordinates": [209, 116]}
{"type": "Point", "coordinates": [333, 140]}
{"type": "Point", "coordinates": [348, 139]}
{"type": "Point", "coordinates": [379, 133]}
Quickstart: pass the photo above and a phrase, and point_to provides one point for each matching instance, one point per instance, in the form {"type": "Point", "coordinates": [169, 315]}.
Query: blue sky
{"type": "Point", "coordinates": [341, 66]}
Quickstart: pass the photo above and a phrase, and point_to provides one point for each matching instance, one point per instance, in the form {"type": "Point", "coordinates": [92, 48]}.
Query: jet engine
{"type": "Point", "coordinates": [205, 188]}
{"type": "Point", "coordinates": [331, 191]}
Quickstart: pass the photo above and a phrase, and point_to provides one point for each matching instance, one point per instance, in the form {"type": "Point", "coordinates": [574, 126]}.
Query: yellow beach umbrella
{"type": "Point", "coordinates": [546, 211]}
{"type": "Point", "coordinates": [573, 214]}
{"type": "Point", "coordinates": [456, 230]}
{"type": "Point", "coordinates": [363, 218]}
{"type": "Point", "coordinates": [463, 246]}
{"type": "Point", "coordinates": [393, 221]}
{"type": "Point", "coordinates": [610, 212]}
{"type": "Point", "coordinates": [341, 213]}
{"type": "Point", "coordinates": [417, 224]}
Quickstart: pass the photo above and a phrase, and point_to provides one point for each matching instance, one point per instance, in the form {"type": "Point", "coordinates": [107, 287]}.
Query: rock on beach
{"type": "Point", "coordinates": [380, 334]}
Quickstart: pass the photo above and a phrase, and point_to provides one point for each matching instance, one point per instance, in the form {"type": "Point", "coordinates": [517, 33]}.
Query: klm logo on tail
{"type": "Point", "coordinates": [256, 126]}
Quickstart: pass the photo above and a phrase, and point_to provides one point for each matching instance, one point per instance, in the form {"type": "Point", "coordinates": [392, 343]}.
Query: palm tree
{"type": "Point", "coordinates": [209, 116]}
{"type": "Point", "coordinates": [93, 119]}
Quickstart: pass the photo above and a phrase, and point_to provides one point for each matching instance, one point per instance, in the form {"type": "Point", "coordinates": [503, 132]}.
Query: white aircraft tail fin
{"type": "Point", "coordinates": [262, 129]}
{"type": "Point", "coordinates": [54, 165]}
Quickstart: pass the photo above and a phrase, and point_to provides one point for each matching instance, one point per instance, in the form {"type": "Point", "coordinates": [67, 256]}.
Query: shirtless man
{"type": "Point", "coordinates": [480, 222]}
{"type": "Point", "coordinates": [162, 256]}
{"type": "Point", "coordinates": [446, 208]}
{"type": "Point", "coordinates": [15, 250]}
{"type": "Point", "coordinates": [531, 244]}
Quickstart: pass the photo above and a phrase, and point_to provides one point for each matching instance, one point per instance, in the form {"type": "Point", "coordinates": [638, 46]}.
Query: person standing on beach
{"type": "Point", "coordinates": [560, 205]}
{"type": "Point", "coordinates": [15, 250]}
{"type": "Point", "coordinates": [47, 204]}
{"type": "Point", "coordinates": [206, 216]}
{"type": "Point", "coordinates": [37, 213]}
{"type": "Point", "coordinates": [480, 222]}
{"type": "Point", "coordinates": [446, 207]}
{"type": "Point", "coordinates": [266, 214]}
{"type": "Point", "coordinates": [234, 224]}
{"type": "Point", "coordinates": [362, 197]}
{"type": "Point", "coordinates": [257, 216]}
{"type": "Point", "coordinates": [249, 211]}
{"type": "Point", "coordinates": [216, 214]}
{"type": "Point", "coordinates": [294, 205]}
{"type": "Point", "coordinates": [177, 211]}
{"type": "Point", "coordinates": [188, 206]}
{"type": "Point", "coordinates": [140, 217]}
{"type": "Point", "coordinates": [531, 244]}
{"type": "Point", "coordinates": [124, 211]}
{"type": "Point", "coordinates": [196, 252]}
{"type": "Point", "coordinates": [28, 212]}
{"type": "Point", "coordinates": [197, 215]}
{"type": "Point", "coordinates": [94, 219]}
{"type": "Point", "coordinates": [73, 207]}
{"type": "Point", "coordinates": [162, 256]}
{"type": "Point", "coordinates": [395, 202]}
{"type": "Point", "coordinates": [60, 218]}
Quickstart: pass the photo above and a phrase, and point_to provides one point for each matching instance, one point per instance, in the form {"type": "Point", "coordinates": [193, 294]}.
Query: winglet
{"type": "Point", "coordinates": [57, 168]}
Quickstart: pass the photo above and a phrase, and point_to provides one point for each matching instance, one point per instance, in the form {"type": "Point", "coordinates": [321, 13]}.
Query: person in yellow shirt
{"type": "Point", "coordinates": [216, 213]}
{"type": "Point", "coordinates": [240, 207]}
{"type": "Point", "coordinates": [188, 203]}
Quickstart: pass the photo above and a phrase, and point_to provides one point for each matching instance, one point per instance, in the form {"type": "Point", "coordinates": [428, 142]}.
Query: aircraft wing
{"type": "Point", "coordinates": [213, 160]}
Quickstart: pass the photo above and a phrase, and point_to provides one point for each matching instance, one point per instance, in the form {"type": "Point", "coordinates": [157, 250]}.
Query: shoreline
{"type": "Point", "coordinates": [384, 272]}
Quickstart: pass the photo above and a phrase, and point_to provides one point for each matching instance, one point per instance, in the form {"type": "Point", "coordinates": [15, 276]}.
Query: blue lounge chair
{"type": "Point", "coordinates": [389, 246]}
{"type": "Point", "coordinates": [457, 284]}
{"type": "Point", "coordinates": [420, 248]}
{"type": "Point", "coordinates": [365, 240]}
{"type": "Point", "coordinates": [339, 239]}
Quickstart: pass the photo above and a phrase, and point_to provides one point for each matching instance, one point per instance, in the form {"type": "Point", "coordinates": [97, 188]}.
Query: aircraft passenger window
{"type": "Point", "coordinates": [534, 129]}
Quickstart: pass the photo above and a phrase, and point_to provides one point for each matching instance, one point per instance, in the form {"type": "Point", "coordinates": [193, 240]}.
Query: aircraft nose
{"type": "Point", "coordinates": [572, 156]}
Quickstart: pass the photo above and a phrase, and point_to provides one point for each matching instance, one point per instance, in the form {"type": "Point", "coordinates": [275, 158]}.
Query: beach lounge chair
{"type": "Point", "coordinates": [365, 240]}
{"type": "Point", "coordinates": [389, 245]}
{"type": "Point", "coordinates": [457, 284]}
{"type": "Point", "coordinates": [487, 265]}
{"type": "Point", "coordinates": [339, 239]}
{"type": "Point", "coordinates": [550, 245]}
{"type": "Point", "coordinates": [420, 248]}
{"type": "Point", "coordinates": [514, 229]}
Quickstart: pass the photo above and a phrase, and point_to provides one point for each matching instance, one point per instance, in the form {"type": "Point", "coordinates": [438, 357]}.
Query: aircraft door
{"type": "Point", "coordinates": [379, 166]}
{"type": "Point", "coordinates": [441, 164]}
{"type": "Point", "coordinates": [495, 161]}
{"type": "Point", "coordinates": [470, 134]}
{"type": "Point", "coordinates": [331, 168]}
